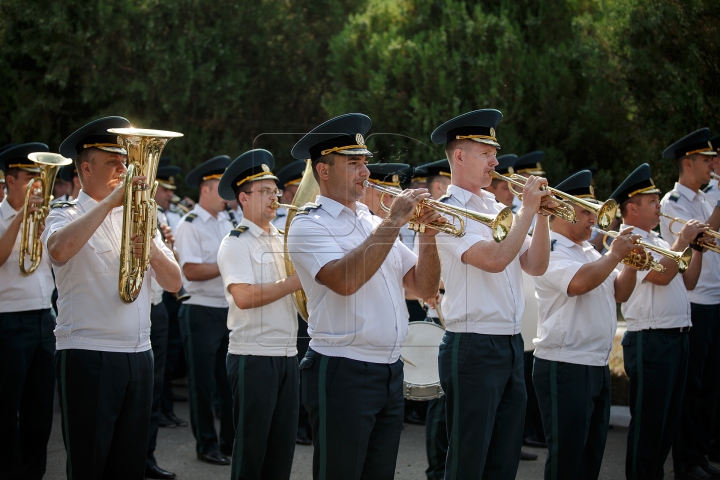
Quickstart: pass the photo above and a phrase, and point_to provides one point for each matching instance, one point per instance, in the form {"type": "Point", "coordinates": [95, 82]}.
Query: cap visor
{"type": "Point", "coordinates": [486, 141]}
{"type": "Point", "coordinates": [118, 150]}
{"type": "Point", "coordinates": [356, 151]}
{"type": "Point", "coordinates": [169, 186]}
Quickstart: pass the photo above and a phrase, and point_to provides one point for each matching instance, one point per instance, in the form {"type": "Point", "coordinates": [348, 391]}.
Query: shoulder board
{"type": "Point", "coordinates": [190, 217]}
{"type": "Point", "coordinates": [444, 198]}
{"type": "Point", "coordinates": [235, 232]}
{"type": "Point", "coordinates": [281, 232]}
{"type": "Point", "coordinates": [707, 189]}
{"type": "Point", "coordinates": [675, 196]}
{"type": "Point", "coordinates": [552, 245]}
{"type": "Point", "coordinates": [307, 208]}
{"type": "Point", "coordinates": [71, 203]}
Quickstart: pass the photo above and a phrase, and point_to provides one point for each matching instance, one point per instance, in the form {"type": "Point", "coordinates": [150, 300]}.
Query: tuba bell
{"type": "Point", "coordinates": [306, 192]}
{"type": "Point", "coordinates": [144, 148]}
{"type": "Point", "coordinates": [30, 244]}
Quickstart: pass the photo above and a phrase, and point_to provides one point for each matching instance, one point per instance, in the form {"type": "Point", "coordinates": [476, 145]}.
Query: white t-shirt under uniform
{"type": "Point", "coordinates": [249, 255]}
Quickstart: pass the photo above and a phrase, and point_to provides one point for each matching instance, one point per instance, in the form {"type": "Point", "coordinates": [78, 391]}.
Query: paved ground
{"type": "Point", "coordinates": [176, 452]}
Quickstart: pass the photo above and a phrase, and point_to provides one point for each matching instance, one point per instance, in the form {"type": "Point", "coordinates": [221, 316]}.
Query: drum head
{"type": "Point", "coordinates": [420, 353]}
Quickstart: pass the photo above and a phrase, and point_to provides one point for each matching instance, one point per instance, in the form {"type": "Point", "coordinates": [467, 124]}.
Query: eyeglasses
{"type": "Point", "coordinates": [267, 192]}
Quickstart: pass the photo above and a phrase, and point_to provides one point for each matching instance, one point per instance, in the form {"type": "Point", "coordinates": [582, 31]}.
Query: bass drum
{"type": "Point", "coordinates": [420, 361]}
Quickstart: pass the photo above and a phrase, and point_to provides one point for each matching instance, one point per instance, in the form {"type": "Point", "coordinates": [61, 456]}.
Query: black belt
{"type": "Point", "coordinates": [676, 329]}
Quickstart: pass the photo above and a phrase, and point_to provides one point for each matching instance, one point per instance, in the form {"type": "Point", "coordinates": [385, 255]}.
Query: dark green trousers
{"type": "Point", "coordinates": [575, 406]}
{"type": "Point", "coordinates": [482, 376]}
{"type": "Point", "coordinates": [265, 410]}
{"type": "Point", "coordinates": [656, 363]}
{"type": "Point", "coordinates": [692, 442]}
{"type": "Point", "coordinates": [27, 380]}
{"type": "Point", "coordinates": [436, 440]}
{"type": "Point", "coordinates": [205, 338]}
{"type": "Point", "coordinates": [356, 414]}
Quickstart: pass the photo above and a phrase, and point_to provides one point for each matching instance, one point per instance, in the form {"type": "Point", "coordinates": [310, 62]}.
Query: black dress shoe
{"type": "Point", "coordinates": [534, 442]}
{"type": "Point", "coordinates": [165, 422]}
{"type": "Point", "coordinates": [413, 417]}
{"type": "Point", "coordinates": [157, 472]}
{"type": "Point", "coordinates": [695, 473]}
{"type": "Point", "coordinates": [214, 457]}
{"type": "Point", "coordinates": [527, 455]}
{"type": "Point", "coordinates": [710, 470]}
{"type": "Point", "coordinates": [178, 421]}
{"type": "Point", "coordinates": [303, 440]}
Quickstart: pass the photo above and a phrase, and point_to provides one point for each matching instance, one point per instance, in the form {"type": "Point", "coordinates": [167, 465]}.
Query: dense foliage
{"type": "Point", "coordinates": [605, 83]}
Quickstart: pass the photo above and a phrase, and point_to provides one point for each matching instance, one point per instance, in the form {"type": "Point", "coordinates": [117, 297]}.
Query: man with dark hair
{"type": "Point", "coordinates": [104, 363]}
{"type": "Point", "coordinates": [262, 356]}
{"type": "Point", "coordinates": [27, 344]}
{"type": "Point", "coordinates": [353, 269]}
{"type": "Point", "coordinates": [694, 157]}
{"type": "Point", "coordinates": [655, 345]}
{"type": "Point", "coordinates": [203, 320]}
{"type": "Point", "coordinates": [481, 355]}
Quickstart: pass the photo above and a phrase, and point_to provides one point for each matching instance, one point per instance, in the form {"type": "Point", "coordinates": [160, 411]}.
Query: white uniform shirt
{"type": "Point", "coordinates": [197, 240]}
{"type": "Point", "coordinates": [477, 301]}
{"type": "Point", "coordinates": [173, 219]}
{"type": "Point", "coordinates": [656, 306]}
{"type": "Point", "coordinates": [370, 325]}
{"type": "Point", "coordinates": [280, 218]}
{"type": "Point", "coordinates": [91, 315]}
{"type": "Point", "coordinates": [712, 192]}
{"type": "Point", "coordinates": [18, 292]}
{"type": "Point", "coordinates": [255, 257]}
{"type": "Point", "coordinates": [681, 202]}
{"type": "Point", "coordinates": [578, 329]}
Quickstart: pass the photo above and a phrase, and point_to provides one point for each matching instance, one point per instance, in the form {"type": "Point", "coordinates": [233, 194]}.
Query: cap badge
{"type": "Point", "coordinates": [265, 168]}
{"type": "Point", "coordinates": [395, 177]}
{"type": "Point", "coordinates": [492, 132]}
{"type": "Point", "coordinates": [359, 139]}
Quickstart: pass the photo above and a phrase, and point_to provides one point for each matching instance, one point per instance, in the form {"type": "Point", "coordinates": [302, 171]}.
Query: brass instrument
{"type": "Point", "coordinates": [715, 176]}
{"type": "Point", "coordinates": [500, 224]}
{"type": "Point", "coordinates": [681, 258]}
{"type": "Point", "coordinates": [30, 244]}
{"type": "Point", "coordinates": [713, 247]}
{"type": "Point", "coordinates": [605, 212]}
{"type": "Point", "coordinates": [306, 192]}
{"type": "Point", "coordinates": [144, 148]}
{"type": "Point", "coordinates": [177, 206]}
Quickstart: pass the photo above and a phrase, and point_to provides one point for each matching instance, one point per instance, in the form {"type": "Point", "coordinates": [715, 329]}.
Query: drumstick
{"type": "Point", "coordinates": [405, 360]}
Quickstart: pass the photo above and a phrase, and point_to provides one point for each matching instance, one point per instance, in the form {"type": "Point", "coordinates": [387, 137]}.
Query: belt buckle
{"type": "Point", "coordinates": [684, 329]}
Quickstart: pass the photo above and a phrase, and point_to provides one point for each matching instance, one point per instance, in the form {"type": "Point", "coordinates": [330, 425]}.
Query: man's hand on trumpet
{"type": "Point", "coordinates": [533, 193]}
{"type": "Point", "coordinates": [693, 232]}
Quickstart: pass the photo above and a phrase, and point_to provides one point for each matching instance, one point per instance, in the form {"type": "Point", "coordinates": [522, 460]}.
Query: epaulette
{"type": "Point", "coordinates": [552, 245]}
{"type": "Point", "coordinates": [307, 208]}
{"type": "Point", "coordinates": [190, 217]}
{"type": "Point", "coordinates": [281, 232]}
{"type": "Point", "coordinates": [235, 232]}
{"type": "Point", "coordinates": [443, 198]}
{"type": "Point", "coordinates": [675, 196]}
{"type": "Point", "coordinates": [707, 189]}
{"type": "Point", "coordinates": [70, 203]}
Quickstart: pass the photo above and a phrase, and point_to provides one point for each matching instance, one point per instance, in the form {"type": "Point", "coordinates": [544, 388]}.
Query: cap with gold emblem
{"type": "Point", "coordinates": [342, 135]}
{"type": "Point", "coordinates": [696, 142]}
{"type": "Point", "coordinates": [166, 176]}
{"type": "Point", "coordinates": [17, 157]}
{"type": "Point", "coordinates": [212, 169]}
{"type": "Point", "coordinates": [715, 144]}
{"type": "Point", "coordinates": [67, 172]}
{"type": "Point", "coordinates": [638, 182]}
{"type": "Point", "coordinates": [506, 164]}
{"type": "Point", "coordinates": [95, 135]}
{"type": "Point", "coordinates": [390, 174]}
{"type": "Point", "coordinates": [578, 184]}
{"type": "Point", "coordinates": [478, 126]}
{"type": "Point", "coordinates": [249, 167]}
{"type": "Point", "coordinates": [529, 164]}
{"type": "Point", "coordinates": [291, 174]}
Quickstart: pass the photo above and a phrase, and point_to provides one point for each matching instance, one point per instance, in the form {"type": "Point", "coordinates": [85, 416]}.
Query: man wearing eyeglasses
{"type": "Point", "coordinates": [203, 317]}
{"type": "Point", "coordinates": [262, 357]}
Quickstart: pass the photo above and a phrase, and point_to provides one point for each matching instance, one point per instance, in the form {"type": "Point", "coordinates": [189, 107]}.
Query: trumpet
{"type": "Point", "coordinates": [500, 224]}
{"type": "Point", "coordinates": [715, 176]}
{"type": "Point", "coordinates": [635, 261]}
{"type": "Point", "coordinates": [713, 247]}
{"type": "Point", "coordinates": [144, 148]}
{"type": "Point", "coordinates": [605, 212]}
{"type": "Point", "coordinates": [30, 244]}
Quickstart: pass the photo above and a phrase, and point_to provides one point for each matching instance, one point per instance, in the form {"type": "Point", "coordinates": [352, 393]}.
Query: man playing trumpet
{"type": "Point", "coordinates": [27, 345]}
{"type": "Point", "coordinates": [694, 157]}
{"type": "Point", "coordinates": [577, 315]}
{"type": "Point", "coordinates": [655, 345]}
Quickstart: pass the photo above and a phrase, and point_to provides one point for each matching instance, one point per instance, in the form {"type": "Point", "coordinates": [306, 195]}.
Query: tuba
{"type": "Point", "coordinates": [144, 148]}
{"type": "Point", "coordinates": [30, 244]}
{"type": "Point", "coordinates": [306, 192]}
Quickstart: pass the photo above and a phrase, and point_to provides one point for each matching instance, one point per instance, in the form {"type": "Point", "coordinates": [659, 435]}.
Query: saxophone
{"type": "Point", "coordinates": [30, 244]}
{"type": "Point", "coordinates": [144, 148]}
